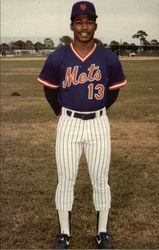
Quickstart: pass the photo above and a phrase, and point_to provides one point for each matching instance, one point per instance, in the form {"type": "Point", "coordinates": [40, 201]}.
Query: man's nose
{"type": "Point", "coordinates": [84, 25]}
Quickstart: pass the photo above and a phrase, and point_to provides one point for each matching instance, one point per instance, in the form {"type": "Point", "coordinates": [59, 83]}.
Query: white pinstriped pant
{"type": "Point", "coordinates": [73, 136]}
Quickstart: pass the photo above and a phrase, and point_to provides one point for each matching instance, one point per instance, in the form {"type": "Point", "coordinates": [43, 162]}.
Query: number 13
{"type": "Point", "coordinates": [99, 87]}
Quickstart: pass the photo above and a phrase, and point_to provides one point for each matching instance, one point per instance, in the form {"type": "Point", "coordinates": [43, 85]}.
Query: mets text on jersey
{"type": "Point", "coordinates": [94, 74]}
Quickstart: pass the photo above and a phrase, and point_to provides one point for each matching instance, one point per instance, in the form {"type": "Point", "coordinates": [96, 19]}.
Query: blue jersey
{"type": "Point", "coordinates": [83, 83]}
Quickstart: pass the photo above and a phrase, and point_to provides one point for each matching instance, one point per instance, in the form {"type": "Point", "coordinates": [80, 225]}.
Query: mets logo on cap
{"type": "Point", "coordinates": [83, 6]}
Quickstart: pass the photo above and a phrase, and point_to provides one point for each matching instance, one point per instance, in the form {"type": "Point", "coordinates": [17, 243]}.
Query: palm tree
{"type": "Point", "coordinates": [141, 35]}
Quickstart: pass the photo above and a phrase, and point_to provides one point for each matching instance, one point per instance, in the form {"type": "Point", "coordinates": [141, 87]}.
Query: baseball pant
{"type": "Point", "coordinates": [73, 136]}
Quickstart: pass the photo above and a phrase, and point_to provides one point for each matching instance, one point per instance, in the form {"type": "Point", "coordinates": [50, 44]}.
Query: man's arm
{"type": "Point", "coordinates": [52, 98]}
{"type": "Point", "coordinates": [111, 97]}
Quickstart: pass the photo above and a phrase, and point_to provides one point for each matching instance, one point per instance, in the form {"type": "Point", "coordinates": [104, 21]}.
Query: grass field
{"type": "Point", "coordinates": [28, 172]}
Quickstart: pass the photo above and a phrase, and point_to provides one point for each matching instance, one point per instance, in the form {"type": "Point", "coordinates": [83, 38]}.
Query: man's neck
{"type": "Point", "coordinates": [83, 48]}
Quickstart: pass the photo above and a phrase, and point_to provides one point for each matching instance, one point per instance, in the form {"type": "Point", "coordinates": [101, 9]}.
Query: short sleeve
{"type": "Point", "coordinates": [117, 77]}
{"type": "Point", "coordinates": [49, 74]}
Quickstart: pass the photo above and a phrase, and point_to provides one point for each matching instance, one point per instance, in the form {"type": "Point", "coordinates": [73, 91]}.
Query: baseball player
{"type": "Point", "coordinates": [81, 81]}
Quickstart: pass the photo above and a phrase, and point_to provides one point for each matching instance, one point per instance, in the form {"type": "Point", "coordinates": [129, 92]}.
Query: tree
{"type": "Point", "coordinates": [59, 45]}
{"type": "Point", "coordinates": [155, 45]}
{"type": "Point", "coordinates": [4, 47]}
{"type": "Point", "coordinates": [133, 47]}
{"type": "Point", "coordinates": [133, 44]}
{"type": "Point", "coordinates": [12, 46]}
{"type": "Point", "coordinates": [125, 44]}
{"type": "Point", "coordinates": [124, 47]}
{"type": "Point", "coordinates": [29, 44]}
{"type": "Point", "coordinates": [141, 35]}
{"type": "Point", "coordinates": [105, 45]}
{"type": "Point", "coordinates": [114, 45]}
{"type": "Point", "coordinates": [38, 46]}
{"type": "Point", "coordinates": [98, 41]}
{"type": "Point", "coordinates": [145, 42]}
{"type": "Point", "coordinates": [48, 43]}
{"type": "Point", "coordinates": [20, 44]}
{"type": "Point", "coordinates": [154, 42]}
{"type": "Point", "coordinates": [66, 40]}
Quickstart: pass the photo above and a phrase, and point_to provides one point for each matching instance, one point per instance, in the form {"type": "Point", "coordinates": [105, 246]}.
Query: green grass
{"type": "Point", "coordinates": [29, 176]}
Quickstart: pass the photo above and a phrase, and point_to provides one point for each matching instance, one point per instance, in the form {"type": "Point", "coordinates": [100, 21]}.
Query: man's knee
{"type": "Point", "coordinates": [100, 184]}
{"type": "Point", "coordinates": [66, 183]}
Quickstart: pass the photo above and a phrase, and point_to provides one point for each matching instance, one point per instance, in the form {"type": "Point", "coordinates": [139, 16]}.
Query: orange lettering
{"type": "Point", "coordinates": [91, 70]}
{"type": "Point", "coordinates": [94, 73]}
{"type": "Point", "coordinates": [70, 78]}
{"type": "Point", "coordinates": [97, 75]}
{"type": "Point", "coordinates": [82, 78]}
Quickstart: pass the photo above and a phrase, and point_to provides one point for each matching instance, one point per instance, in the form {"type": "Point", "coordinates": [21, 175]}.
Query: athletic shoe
{"type": "Point", "coordinates": [104, 241]}
{"type": "Point", "coordinates": [62, 241]}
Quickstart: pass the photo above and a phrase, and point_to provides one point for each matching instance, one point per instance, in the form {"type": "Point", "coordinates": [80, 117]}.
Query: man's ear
{"type": "Point", "coordinates": [96, 26]}
{"type": "Point", "coordinates": [71, 26]}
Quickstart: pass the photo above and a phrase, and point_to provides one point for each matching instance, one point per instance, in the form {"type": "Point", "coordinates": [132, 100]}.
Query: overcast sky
{"type": "Point", "coordinates": [117, 19]}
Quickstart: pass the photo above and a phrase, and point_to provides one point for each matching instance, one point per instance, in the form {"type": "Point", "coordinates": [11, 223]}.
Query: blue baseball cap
{"type": "Point", "coordinates": [83, 8]}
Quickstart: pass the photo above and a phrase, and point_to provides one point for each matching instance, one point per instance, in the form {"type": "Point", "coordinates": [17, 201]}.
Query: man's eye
{"type": "Point", "coordinates": [90, 22]}
{"type": "Point", "coordinates": [78, 22]}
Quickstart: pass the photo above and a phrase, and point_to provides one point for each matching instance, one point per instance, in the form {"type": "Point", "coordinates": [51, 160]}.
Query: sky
{"type": "Point", "coordinates": [117, 19]}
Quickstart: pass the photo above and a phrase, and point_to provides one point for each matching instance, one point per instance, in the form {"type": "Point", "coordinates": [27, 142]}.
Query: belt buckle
{"type": "Point", "coordinates": [83, 116]}
{"type": "Point", "coordinates": [89, 116]}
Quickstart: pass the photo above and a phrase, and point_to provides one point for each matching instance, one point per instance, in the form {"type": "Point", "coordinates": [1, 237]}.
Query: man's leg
{"type": "Point", "coordinates": [98, 151]}
{"type": "Point", "coordinates": [68, 153]}
{"type": "Point", "coordinates": [65, 222]}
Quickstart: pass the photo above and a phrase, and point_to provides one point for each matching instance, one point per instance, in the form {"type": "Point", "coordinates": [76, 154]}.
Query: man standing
{"type": "Point", "coordinates": [81, 81]}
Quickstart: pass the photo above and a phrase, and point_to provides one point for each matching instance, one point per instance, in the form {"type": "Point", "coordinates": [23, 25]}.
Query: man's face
{"type": "Point", "coordinates": [84, 28]}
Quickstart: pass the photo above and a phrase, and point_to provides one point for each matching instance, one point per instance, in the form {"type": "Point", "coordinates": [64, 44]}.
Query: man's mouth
{"type": "Point", "coordinates": [84, 34]}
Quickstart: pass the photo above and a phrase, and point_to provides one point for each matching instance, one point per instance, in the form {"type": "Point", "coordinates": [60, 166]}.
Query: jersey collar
{"type": "Point", "coordinates": [83, 58]}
